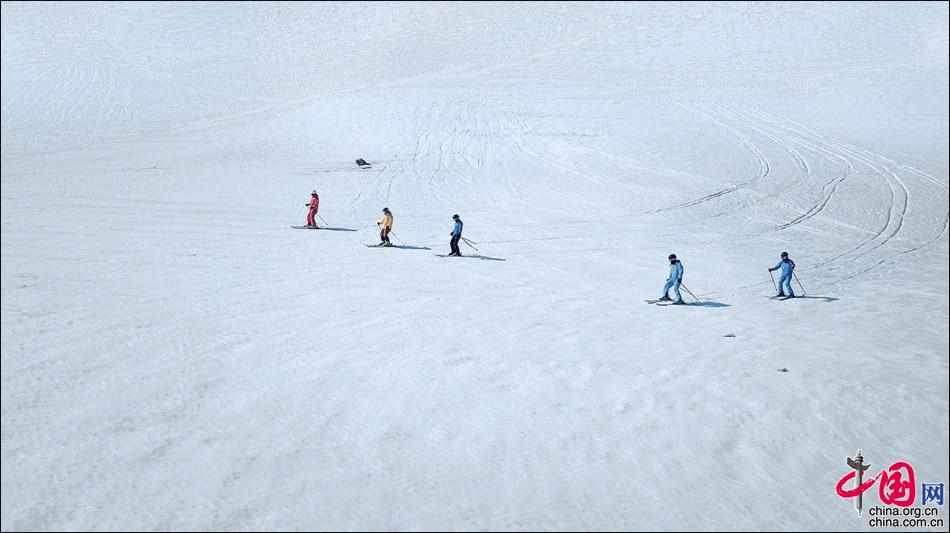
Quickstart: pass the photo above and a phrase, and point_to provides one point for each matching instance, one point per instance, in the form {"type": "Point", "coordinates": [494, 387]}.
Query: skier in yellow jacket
{"type": "Point", "coordinates": [385, 226]}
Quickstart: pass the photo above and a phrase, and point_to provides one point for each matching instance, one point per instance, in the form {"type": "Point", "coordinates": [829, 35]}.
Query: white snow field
{"type": "Point", "coordinates": [175, 356]}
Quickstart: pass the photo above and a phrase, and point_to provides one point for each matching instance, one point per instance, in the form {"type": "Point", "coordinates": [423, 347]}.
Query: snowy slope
{"type": "Point", "coordinates": [174, 356]}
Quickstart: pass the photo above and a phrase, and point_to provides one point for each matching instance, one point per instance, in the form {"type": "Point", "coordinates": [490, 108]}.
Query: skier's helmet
{"type": "Point", "coordinates": [784, 255]}
{"type": "Point", "coordinates": [314, 193]}
{"type": "Point", "coordinates": [385, 210]}
{"type": "Point", "coordinates": [672, 257]}
{"type": "Point", "coordinates": [455, 217]}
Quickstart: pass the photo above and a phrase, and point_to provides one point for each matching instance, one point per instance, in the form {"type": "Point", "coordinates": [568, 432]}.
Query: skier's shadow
{"type": "Point", "coordinates": [824, 298]}
{"type": "Point", "coordinates": [477, 256]}
{"type": "Point", "coordinates": [708, 304]}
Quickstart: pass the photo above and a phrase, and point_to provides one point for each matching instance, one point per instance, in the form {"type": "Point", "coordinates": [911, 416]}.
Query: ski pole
{"type": "Point", "coordinates": [773, 280]}
{"type": "Point", "coordinates": [468, 241]}
{"type": "Point", "coordinates": [469, 244]}
{"type": "Point", "coordinates": [689, 291]}
{"type": "Point", "coordinates": [397, 238]}
{"type": "Point", "coordinates": [321, 218]}
{"type": "Point", "coordinates": [799, 284]}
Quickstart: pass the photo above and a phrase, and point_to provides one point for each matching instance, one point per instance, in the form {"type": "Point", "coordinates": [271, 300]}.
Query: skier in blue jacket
{"type": "Point", "coordinates": [673, 282]}
{"type": "Point", "coordinates": [456, 235]}
{"type": "Point", "coordinates": [788, 267]}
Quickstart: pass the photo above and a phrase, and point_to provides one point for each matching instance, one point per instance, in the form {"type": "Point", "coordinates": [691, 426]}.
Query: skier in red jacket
{"type": "Point", "coordinates": [314, 206]}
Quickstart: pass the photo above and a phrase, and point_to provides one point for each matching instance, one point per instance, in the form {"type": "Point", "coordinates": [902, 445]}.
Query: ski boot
{"type": "Point", "coordinates": [665, 298]}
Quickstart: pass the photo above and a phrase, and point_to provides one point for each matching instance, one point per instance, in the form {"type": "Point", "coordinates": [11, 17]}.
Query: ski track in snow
{"type": "Point", "coordinates": [897, 208]}
{"type": "Point", "coordinates": [860, 257]}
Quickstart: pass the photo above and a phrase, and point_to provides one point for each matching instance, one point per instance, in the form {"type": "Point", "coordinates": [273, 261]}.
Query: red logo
{"type": "Point", "coordinates": [896, 485]}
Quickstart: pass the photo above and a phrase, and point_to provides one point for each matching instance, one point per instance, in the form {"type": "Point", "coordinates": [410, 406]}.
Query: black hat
{"type": "Point", "coordinates": [455, 216]}
{"type": "Point", "coordinates": [385, 210]}
{"type": "Point", "coordinates": [672, 257]}
{"type": "Point", "coordinates": [784, 254]}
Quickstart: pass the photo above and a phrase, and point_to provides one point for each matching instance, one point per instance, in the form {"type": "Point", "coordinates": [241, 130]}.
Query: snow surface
{"type": "Point", "coordinates": [175, 356]}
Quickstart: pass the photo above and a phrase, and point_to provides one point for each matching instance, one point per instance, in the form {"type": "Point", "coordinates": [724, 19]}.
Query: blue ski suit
{"type": "Point", "coordinates": [673, 282]}
{"type": "Point", "coordinates": [787, 266]}
{"type": "Point", "coordinates": [456, 235]}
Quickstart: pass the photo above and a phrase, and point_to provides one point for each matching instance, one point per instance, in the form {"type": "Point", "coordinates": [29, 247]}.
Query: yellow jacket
{"type": "Point", "coordinates": [387, 221]}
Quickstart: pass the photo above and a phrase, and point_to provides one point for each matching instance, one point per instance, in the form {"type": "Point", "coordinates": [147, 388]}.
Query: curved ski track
{"type": "Point", "coordinates": [810, 187]}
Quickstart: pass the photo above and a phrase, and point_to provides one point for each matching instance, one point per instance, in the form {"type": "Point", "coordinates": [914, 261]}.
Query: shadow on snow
{"type": "Point", "coordinates": [470, 256]}
{"type": "Point", "coordinates": [323, 228]}
{"type": "Point", "coordinates": [707, 304]}
{"type": "Point", "coordinates": [400, 247]}
{"type": "Point", "coordinates": [824, 298]}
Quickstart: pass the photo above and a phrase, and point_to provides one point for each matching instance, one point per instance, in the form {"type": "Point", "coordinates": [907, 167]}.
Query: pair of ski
{"type": "Point", "coordinates": [437, 255]}
{"type": "Point", "coordinates": [664, 303]}
{"type": "Point", "coordinates": [780, 298]}
{"type": "Point", "coordinates": [308, 227]}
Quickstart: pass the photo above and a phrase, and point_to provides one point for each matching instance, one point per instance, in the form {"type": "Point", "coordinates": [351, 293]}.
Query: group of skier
{"type": "Point", "coordinates": [673, 282]}
{"type": "Point", "coordinates": [385, 225]}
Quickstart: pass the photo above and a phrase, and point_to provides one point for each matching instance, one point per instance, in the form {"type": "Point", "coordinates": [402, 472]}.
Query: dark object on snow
{"type": "Point", "coordinates": [729, 335]}
{"type": "Point", "coordinates": [783, 370]}
{"type": "Point", "coordinates": [362, 163]}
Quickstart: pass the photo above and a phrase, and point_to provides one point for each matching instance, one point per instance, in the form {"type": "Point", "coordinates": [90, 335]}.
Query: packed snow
{"type": "Point", "coordinates": [176, 356]}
